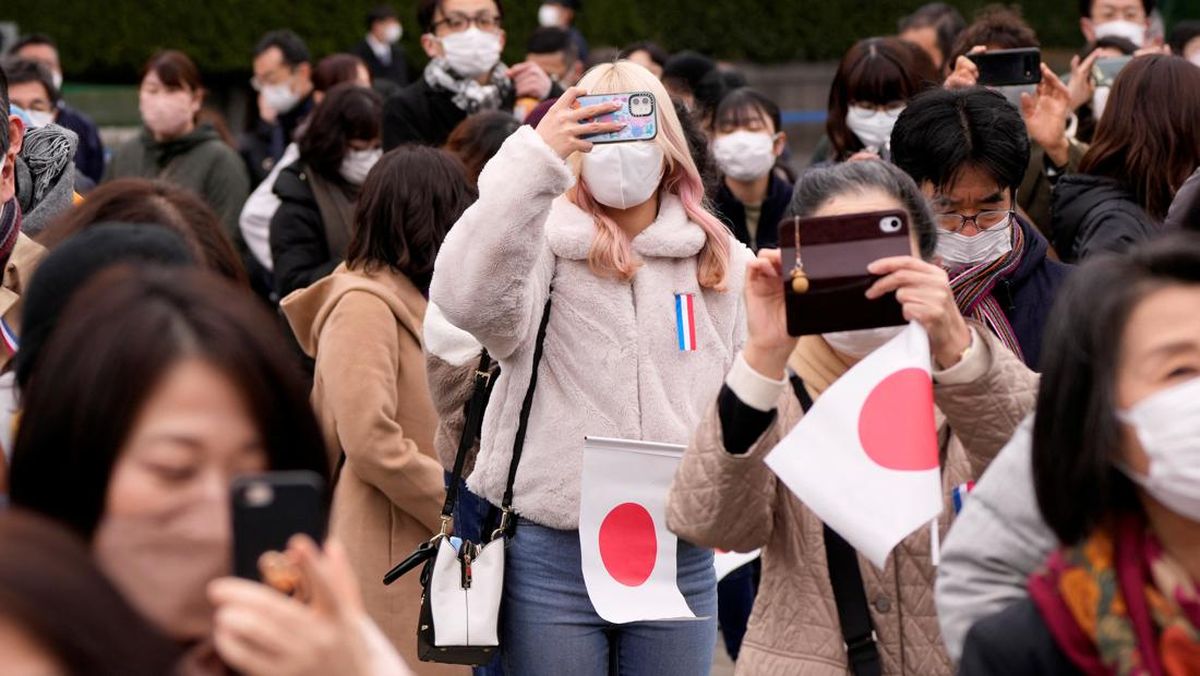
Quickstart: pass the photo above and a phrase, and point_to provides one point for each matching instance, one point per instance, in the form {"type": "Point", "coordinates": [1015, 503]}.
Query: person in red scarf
{"type": "Point", "coordinates": [1116, 456]}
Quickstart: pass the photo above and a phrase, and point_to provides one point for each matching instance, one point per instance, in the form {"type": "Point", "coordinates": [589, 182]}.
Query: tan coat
{"type": "Point", "coordinates": [26, 256]}
{"type": "Point", "coordinates": [370, 392]}
{"type": "Point", "coordinates": [736, 503]}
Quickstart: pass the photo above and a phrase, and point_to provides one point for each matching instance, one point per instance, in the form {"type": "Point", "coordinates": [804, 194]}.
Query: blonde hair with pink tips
{"type": "Point", "coordinates": [612, 251]}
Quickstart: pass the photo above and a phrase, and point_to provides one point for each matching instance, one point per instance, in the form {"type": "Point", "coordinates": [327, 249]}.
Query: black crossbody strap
{"type": "Point", "coordinates": [472, 424]}
{"type": "Point", "coordinates": [849, 594]}
{"type": "Point", "coordinates": [523, 421]}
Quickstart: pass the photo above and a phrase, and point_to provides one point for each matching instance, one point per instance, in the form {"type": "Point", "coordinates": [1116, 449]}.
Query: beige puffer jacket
{"type": "Point", "coordinates": [735, 503]}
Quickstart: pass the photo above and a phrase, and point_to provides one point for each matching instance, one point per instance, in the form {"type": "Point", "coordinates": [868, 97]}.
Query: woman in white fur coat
{"type": "Point", "coordinates": [614, 232]}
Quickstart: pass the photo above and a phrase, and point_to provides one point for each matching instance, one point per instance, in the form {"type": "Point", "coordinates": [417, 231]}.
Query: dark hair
{"type": "Point", "coordinates": [21, 71]}
{"type": "Point", "coordinates": [1124, 45]}
{"type": "Point", "coordinates": [946, 21]}
{"type": "Point", "coordinates": [118, 338]}
{"type": "Point", "coordinates": [292, 46]}
{"type": "Point", "coordinates": [32, 39]}
{"type": "Point", "coordinates": [1149, 135]}
{"type": "Point", "coordinates": [684, 71]}
{"type": "Point", "coordinates": [175, 70]}
{"type": "Point", "coordinates": [1085, 7]}
{"type": "Point", "coordinates": [697, 142]}
{"type": "Point", "coordinates": [478, 138]}
{"type": "Point", "coordinates": [996, 27]}
{"type": "Point", "coordinates": [335, 69]}
{"type": "Point", "coordinates": [348, 113]}
{"type": "Point", "coordinates": [427, 12]}
{"type": "Point", "coordinates": [408, 203]}
{"type": "Point", "coordinates": [6, 111]}
{"type": "Point", "coordinates": [1077, 436]}
{"type": "Point", "coordinates": [942, 132]}
{"type": "Point", "coordinates": [657, 54]}
{"type": "Point", "coordinates": [744, 105]}
{"type": "Point", "coordinates": [380, 13]}
{"type": "Point", "coordinates": [713, 87]}
{"type": "Point", "coordinates": [879, 71]}
{"type": "Point", "coordinates": [51, 589]}
{"type": "Point", "coordinates": [551, 40]}
{"type": "Point", "coordinates": [1183, 33]}
{"type": "Point", "coordinates": [158, 203]}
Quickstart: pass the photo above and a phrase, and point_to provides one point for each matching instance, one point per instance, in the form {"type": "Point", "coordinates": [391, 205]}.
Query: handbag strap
{"type": "Point", "coordinates": [849, 594]}
{"type": "Point", "coordinates": [506, 523]}
{"type": "Point", "coordinates": [472, 425]}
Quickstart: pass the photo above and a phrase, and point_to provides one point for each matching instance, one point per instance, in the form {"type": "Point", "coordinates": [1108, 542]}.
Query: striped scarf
{"type": "Point", "coordinates": [10, 227]}
{"type": "Point", "coordinates": [972, 287]}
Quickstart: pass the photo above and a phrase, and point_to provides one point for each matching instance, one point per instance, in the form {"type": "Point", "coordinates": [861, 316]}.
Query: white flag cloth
{"type": "Point", "coordinates": [628, 553]}
{"type": "Point", "coordinates": [727, 562]}
{"type": "Point", "coordinates": [865, 457]}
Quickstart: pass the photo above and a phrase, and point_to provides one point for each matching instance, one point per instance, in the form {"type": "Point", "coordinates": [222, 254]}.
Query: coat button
{"type": "Point", "coordinates": [883, 604]}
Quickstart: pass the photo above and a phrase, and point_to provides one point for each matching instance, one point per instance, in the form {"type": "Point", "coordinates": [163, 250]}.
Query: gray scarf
{"type": "Point", "coordinates": [45, 175]}
{"type": "Point", "coordinates": [470, 96]}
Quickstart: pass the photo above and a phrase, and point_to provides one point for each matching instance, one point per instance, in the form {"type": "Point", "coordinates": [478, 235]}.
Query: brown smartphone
{"type": "Point", "coordinates": [834, 252]}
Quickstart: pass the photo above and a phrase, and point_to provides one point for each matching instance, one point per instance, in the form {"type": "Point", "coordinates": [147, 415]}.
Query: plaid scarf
{"type": "Point", "coordinates": [10, 227]}
{"type": "Point", "coordinates": [470, 96]}
{"type": "Point", "coordinates": [972, 287]}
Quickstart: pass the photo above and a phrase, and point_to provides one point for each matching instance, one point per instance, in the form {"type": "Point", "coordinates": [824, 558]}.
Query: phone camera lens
{"type": "Point", "coordinates": [259, 494]}
{"type": "Point", "coordinates": [890, 224]}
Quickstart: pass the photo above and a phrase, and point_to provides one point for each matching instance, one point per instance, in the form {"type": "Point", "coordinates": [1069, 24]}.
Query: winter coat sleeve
{"type": "Point", "coordinates": [260, 207]}
{"type": "Point", "coordinates": [226, 188]}
{"type": "Point", "coordinates": [1185, 208]}
{"type": "Point", "coordinates": [1014, 641]}
{"type": "Point", "coordinates": [358, 370]}
{"type": "Point", "coordinates": [297, 235]}
{"type": "Point", "coordinates": [1114, 228]}
{"type": "Point", "coordinates": [493, 272]}
{"type": "Point", "coordinates": [399, 122]}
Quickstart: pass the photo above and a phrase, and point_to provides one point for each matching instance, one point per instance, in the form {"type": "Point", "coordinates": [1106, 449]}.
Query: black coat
{"type": "Point", "coordinates": [1092, 214]}
{"type": "Point", "coordinates": [89, 154]}
{"type": "Point", "coordinates": [420, 114]}
{"type": "Point", "coordinates": [733, 213]}
{"type": "Point", "coordinates": [1027, 295]}
{"type": "Point", "coordinates": [396, 71]}
{"type": "Point", "coordinates": [299, 246]}
{"type": "Point", "coordinates": [1185, 208]}
{"type": "Point", "coordinates": [263, 145]}
{"type": "Point", "coordinates": [1014, 641]}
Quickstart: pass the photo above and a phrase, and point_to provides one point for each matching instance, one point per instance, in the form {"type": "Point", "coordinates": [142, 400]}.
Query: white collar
{"type": "Point", "coordinates": [569, 231]}
{"type": "Point", "coordinates": [381, 49]}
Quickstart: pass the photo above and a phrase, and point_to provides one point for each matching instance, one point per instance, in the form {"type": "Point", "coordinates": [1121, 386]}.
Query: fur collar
{"type": "Point", "coordinates": [672, 235]}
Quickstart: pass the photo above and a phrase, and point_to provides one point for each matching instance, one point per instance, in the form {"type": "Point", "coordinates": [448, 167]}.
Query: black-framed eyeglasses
{"type": "Point", "coordinates": [458, 23]}
{"type": "Point", "coordinates": [983, 220]}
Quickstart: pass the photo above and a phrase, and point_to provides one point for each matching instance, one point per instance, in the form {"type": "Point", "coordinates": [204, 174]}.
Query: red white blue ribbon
{"type": "Point", "coordinates": [9, 337]}
{"type": "Point", "coordinates": [960, 493]}
{"type": "Point", "coordinates": [685, 321]}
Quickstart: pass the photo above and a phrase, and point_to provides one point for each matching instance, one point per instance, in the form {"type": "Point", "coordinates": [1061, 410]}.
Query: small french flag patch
{"type": "Point", "coordinates": [8, 337]}
{"type": "Point", "coordinates": [960, 494]}
{"type": "Point", "coordinates": [685, 321]}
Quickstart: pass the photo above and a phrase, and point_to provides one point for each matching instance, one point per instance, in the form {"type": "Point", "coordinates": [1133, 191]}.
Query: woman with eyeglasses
{"type": "Point", "coordinates": [463, 39]}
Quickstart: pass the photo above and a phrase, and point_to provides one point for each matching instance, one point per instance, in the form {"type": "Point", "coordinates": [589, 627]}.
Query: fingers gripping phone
{"type": "Point", "coordinates": [638, 113]}
{"type": "Point", "coordinates": [1009, 66]}
{"type": "Point", "coordinates": [825, 276]}
{"type": "Point", "coordinates": [268, 509]}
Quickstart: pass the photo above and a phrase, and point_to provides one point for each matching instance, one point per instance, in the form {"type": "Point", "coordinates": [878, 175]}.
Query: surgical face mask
{"type": "Point", "coordinates": [280, 97]}
{"type": "Point", "coordinates": [1099, 101]}
{"type": "Point", "coordinates": [167, 114]}
{"type": "Point", "coordinates": [56, 77]}
{"type": "Point", "coordinates": [391, 34]}
{"type": "Point", "coordinates": [872, 127]}
{"type": "Point", "coordinates": [549, 16]}
{"type": "Point", "coordinates": [863, 342]}
{"type": "Point", "coordinates": [1133, 32]}
{"type": "Point", "coordinates": [472, 52]}
{"type": "Point", "coordinates": [958, 250]}
{"type": "Point", "coordinates": [1168, 427]}
{"type": "Point", "coordinates": [745, 155]}
{"type": "Point", "coordinates": [357, 164]}
{"type": "Point", "coordinates": [39, 118]}
{"type": "Point", "coordinates": [623, 175]}
{"type": "Point", "coordinates": [1012, 93]}
{"type": "Point", "coordinates": [1195, 58]}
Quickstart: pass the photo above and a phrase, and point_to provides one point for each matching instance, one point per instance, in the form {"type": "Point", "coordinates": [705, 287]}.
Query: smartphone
{"type": "Point", "coordinates": [1104, 71]}
{"type": "Point", "coordinates": [268, 509]}
{"type": "Point", "coordinates": [638, 111]}
{"type": "Point", "coordinates": [1009, 66]}
{"type": "Point", "coordinates": [833, 252]}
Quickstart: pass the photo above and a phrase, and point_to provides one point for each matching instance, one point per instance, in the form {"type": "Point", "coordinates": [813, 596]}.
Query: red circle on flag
{"type": "Point", "coordinates": [628, 544]}
{"type": "Point", "coordinates": [895, 426]}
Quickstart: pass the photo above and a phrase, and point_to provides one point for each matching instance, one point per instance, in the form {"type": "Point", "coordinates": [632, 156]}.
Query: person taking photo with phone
{"type": "Point", "coordinates": [615, 234]}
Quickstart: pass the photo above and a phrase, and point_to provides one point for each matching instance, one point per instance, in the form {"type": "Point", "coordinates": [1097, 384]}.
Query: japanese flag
{"type": "Point", "coordinates": [865, 457]}
{"type": "Point", "coordinates": [628, 553]}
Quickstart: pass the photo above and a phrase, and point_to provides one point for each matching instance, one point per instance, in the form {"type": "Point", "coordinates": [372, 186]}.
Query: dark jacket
{"type": "Point", "coordinates": [199, 161]}
{"type": "Point", "coordinates": [421, 114]}
{"type": "Point", "coordinates": [396, 70]}
{"type": "Point", "coordinates": [1014, 641]}
{"type": "Point", "coordinates": [89, 154]}
{"type": "Point", "coordinates": [1094, 214]}
{"type": "Point", "coordinates": [263, 145]}
{"type": "Point", "coordinates": [1028, 293]}
{"type": "Point", "coordinates": [299, 245]}
{"type": "Point", "coordinates": [1184, 213]}
{"type": "Point", "coordinates": [733, 213]}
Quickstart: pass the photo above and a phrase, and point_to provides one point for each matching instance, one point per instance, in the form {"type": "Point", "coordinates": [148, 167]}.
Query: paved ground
{"type": "Point", "coordinates": [722, 665]}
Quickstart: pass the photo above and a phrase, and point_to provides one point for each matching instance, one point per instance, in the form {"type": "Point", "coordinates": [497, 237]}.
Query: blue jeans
{"type": "Point", "coordinates": [548, 626]}
{"type": "Point", "coordinates": [472, 515]}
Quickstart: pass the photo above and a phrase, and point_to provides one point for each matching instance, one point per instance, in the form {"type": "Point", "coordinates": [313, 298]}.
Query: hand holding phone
{"type": "Point", "coordinates": [1004, 67]}
{"type": "Point", "coordinates": [637, 112]}
{"type": "Point", "coordinates": [268, 509]}
{"type": "Point", "coordinates": [565, 127]}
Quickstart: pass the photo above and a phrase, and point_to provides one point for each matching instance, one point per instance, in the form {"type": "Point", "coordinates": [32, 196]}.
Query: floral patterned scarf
{"type": "Point", "coordinates": [1118, 604]}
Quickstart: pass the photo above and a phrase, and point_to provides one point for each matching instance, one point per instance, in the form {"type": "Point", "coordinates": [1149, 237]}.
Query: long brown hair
{"type": "Point", "coordinates": [1149, 136]}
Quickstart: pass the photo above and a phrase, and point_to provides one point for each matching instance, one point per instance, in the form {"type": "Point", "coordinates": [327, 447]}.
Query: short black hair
{"type": "Point", "coordinates": [1077, 437]}
{"type": "Point", "coordinates": [999, 27]}
{"type": "Point", "coordinates": [32, 39]}
{"type": "Point", "coordinates": [380, 13]}
{"type": "Point", "coordinates": [22, 71]}
{"type": "Point", "coordinates": [348, 113]}
{"type": "Point", "coordinates": [941, 132]}
{"type": "Point", "coordinates": [5, 111]}
{"type": "Point", "coordinates": [551, 40]}
{"type": "Point", "coordinates": [1183, 33]}
{"type": "Point", "coordinates": [427, 9]}
{"type": "Point", "coordinates": [686, 69]}
{"type": "Point", "coordinates": [946, 21]}
{"type": "Point", "coordinates": [292, 46]}
{"type": "Point", "coordinates": [657, 54]}
{"type": "Point", "coordinates": [742, 105]}
{"type": "Point", "coordinates": [1085, 7]}
{"type": "Point", "coordinates": [1124, 45]}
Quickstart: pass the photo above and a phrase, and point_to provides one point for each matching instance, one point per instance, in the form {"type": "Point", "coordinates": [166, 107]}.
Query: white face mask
{"type": "Point", "coordinates": [549, 16]}
{"type": "Point", "coordinates": [391, 34]}
{"type": "Point", "coordinates": [1099, 101]}
{"type": "Point", "coordinates": [958, 250]}
{"type": "Point", "coordinates": [862, 342]}
{"type": "Point", "coordinates": [623, 175]}
{"type": "Point", "coordinates": [1195, 59]}
{"type": "Point", "coordinates": [39, 118]}
{"type": "Point", "coordinates": [1168, 426]}
{"type": "Point", "coordinates": [472, 52]}
{"type": "Point", "coordinates": [745, 155]}
{"type": "Point", "coordinates": [357, 164]}
{"type": "Point", "coordinates": [56, 77]}
{"type": "Point", "coordinates": [872, 127]}
{"type": "Point", "coordinates": [1133, 32]}
{"type": "Point", "coordinates": [280, 97]}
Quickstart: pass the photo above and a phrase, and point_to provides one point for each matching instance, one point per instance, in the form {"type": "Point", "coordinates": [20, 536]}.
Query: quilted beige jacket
{"type": "Point", "coordinates": [735, 503]}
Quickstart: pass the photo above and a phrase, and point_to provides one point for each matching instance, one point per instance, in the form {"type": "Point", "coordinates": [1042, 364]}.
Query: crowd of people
{"type": "Point", "coordinates": [336, 288]}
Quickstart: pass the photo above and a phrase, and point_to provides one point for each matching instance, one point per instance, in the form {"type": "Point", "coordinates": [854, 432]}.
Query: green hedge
{"type": "Point", "coordinates": [108, 40]}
